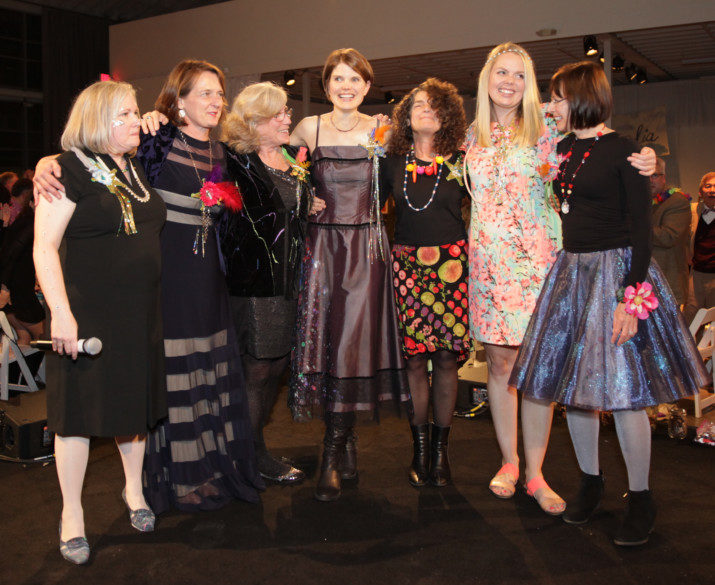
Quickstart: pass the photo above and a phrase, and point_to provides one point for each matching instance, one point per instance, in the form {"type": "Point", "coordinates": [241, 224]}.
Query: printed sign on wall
{"type": "Point", "coordinates": [646, 128]}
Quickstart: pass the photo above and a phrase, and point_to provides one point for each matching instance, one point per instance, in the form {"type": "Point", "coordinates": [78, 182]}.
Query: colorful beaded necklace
{"type": "Point", "coordinates": [411, 166]}
{"type": "Point", "coordinates": [567, 185]}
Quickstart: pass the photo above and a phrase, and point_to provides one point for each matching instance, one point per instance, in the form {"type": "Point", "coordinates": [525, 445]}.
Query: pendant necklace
{"type": "Point", "coordinates": [566, 184]}
{"type": "Point", "coordinates": [191, 157]}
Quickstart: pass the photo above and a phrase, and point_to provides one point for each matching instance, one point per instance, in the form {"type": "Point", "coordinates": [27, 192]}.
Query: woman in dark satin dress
{"type": "Point", "coordinates": [348, 355]}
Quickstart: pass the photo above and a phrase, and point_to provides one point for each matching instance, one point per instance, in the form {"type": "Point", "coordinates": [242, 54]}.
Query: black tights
{"type": "Point", "coordinates": [263, 377]}
{"type": "Point", "coordinates": [444, 387]}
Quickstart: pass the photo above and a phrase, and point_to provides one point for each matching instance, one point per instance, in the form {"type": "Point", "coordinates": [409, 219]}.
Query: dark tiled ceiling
{"type": "Point", "coordinates": [667, 53]}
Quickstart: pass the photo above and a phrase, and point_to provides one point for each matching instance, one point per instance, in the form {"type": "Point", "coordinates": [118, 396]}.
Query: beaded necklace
{"type": "Point", "coordinates": [191, 157]}
{"type": "Point", "coordinates": [567, 185]}
{"type": "Point", "coordinates": [413, 166]}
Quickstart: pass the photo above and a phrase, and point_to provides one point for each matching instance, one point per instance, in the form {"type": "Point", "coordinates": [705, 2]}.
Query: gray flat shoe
{"type": "Point", "coordinates": [75, 550]}
{"type": "Point", "coordinates": [142, 519]}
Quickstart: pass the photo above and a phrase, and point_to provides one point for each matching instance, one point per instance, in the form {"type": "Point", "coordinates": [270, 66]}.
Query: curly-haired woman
{"type": "Point", "coordinates": [429, 261]}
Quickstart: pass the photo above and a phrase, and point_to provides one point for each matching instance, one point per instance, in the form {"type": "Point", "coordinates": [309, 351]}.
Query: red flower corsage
{"type": "Point", "coordinates": [225, 193]}
{"type": "Point", "coordinates": [640, 300]}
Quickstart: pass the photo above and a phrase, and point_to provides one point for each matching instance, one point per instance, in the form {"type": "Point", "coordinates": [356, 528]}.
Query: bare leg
{"type": "Point", "coordinates": [26, 332]}
{"type": "Point", "coordinates": [131, 450]}
{"type": "Point", "coordinates": [418, 380]}
{"type": "Point", "coordinates": [503, 403]}
{"type": "Point", "coordinates": [536, 418]}
{"type": "Point", "coordinates": [71, 456]}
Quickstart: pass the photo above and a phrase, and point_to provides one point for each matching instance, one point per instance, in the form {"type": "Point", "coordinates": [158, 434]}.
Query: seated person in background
{"type": "Point", "coordinates": [704, 245]}
{"type": "Point", "coordinates": [17, 269]}
{"type": "Point", "coordinates": [671, 231]}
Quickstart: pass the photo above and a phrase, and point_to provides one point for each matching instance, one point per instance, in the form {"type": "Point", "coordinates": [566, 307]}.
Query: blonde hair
{"type": "Point", "coordinates": [530, 120]}
{"type": "Point", "coordinates": [256, 103]}
{"type": "Point", "coordinates": [89, 124]}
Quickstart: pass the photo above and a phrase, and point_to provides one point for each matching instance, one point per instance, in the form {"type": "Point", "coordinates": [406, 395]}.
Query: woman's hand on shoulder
{"type": "Point", "coordinates": [152, 121]}
{"type": "Point", "coordinates": [64, 333]}
{"type": "Point", "coordinates": [625, 326]}
{"type": "Point", "coordinates": [644, 161]}
{"type": "Point", "coordinates": [317, 206]}
{"type": "Point", "coordinates": [46, 180]}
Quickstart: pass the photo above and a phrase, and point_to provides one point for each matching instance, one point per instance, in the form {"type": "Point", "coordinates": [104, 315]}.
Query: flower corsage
{"type": "Point", "coordinates": [211, 194]}
{"type": "Point", "coordinates": [299, 169]}
{"type": "Point", "coordinates": [640, 300]}
{"type": "Point", "coordinates": [375, 147]}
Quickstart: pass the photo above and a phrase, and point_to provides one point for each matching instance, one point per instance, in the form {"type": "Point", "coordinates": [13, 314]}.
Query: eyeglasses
{"type": "Point", "coordinates": [555, 101]}
{"type": "Point", "coordinates": [656, 175]}
{"type": "Point", "coordinates": [283, 114]}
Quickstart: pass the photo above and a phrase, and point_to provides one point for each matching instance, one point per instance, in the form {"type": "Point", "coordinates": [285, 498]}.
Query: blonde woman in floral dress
{"type": "Point", "coordinates": [514, 237]}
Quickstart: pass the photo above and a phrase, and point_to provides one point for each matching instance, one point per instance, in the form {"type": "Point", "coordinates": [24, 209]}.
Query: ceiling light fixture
{"type": "Point", "coordinates": [618, 62]}
{"type": "Point", "coordinates": [289, 78]}
{"type": "Point", "coordinates": [590, 45]}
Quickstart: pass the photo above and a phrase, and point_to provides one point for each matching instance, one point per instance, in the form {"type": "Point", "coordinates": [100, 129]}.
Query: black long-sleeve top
{"type": "Point", "coordinates": [441, 222]}
{"type": "Point", "coordinates": [610, 204]}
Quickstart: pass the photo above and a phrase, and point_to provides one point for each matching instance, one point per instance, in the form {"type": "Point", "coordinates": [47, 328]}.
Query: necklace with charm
{"type": "Point", "coordinates": [566, 183]}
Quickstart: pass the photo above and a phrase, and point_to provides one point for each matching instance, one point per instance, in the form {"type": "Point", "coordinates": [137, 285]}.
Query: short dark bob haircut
{"type": "Point", "coordinates": [353, 59]}
{"type": "Point", "coordinates": [449, 107]}
{"type": "Point", "coordinates": [586, 88]}
{"type": "Point", "coordinates": [180, 82]}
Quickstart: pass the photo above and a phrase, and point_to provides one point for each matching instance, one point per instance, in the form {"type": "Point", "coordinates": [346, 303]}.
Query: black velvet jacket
{"type": "Point", "coordinates": [263, 244]}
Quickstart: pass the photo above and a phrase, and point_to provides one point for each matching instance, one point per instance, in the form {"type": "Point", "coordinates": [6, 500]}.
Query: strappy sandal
{"type": "Point", "coordinates": [549, 501]}
{"type": "Point", "coordinates": [503, 484]}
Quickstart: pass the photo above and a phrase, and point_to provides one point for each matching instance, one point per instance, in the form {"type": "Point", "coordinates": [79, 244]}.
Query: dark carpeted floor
{"type": "Point", "coordinates": [382, 531]}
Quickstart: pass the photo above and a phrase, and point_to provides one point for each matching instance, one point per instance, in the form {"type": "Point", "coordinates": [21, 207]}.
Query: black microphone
{"type": "Point", "coordinates": [91, 346]}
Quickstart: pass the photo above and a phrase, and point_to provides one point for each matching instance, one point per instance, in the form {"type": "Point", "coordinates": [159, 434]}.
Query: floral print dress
{"type": "Point", "coordinates": [514, 232]}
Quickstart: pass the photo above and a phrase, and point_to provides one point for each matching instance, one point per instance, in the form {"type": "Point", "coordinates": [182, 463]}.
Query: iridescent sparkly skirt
{"type": "Point", "coordinates": [567, 355]}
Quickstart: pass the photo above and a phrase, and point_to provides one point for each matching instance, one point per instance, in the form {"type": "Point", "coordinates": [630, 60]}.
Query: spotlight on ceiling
{"type": "Point", "coordinates": [289, 78]}
{"type": "Point", "coordinates": [390, 97]}
{"type": "Point", "coordinates": [631, 72]}
{"type": "Point", "coordinates": [641, 76]}
{"type": "Point", "coordinates": [601, 57]}
{"type": "Point", "coordinates": [618, 62]}
{"type": "Point", "coordinates": [590, 45]}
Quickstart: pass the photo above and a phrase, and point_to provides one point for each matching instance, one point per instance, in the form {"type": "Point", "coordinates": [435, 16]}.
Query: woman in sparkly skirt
{"type": "Point", "coordinates": [606, 333]}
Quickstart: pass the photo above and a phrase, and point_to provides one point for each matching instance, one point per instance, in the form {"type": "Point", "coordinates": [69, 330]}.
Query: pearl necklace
{"type": "Point", "coordinates": [567, 187]}
{"type": "Point", "coordinates": [411, 155]}
{"type": "Point", "coordinates": [121, 184]}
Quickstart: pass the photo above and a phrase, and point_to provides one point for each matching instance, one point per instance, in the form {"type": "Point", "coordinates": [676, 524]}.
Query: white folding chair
{"type": "Point", "coordinates": [704, 320]}
{"type": "Point", "coordinates": [9, 341]}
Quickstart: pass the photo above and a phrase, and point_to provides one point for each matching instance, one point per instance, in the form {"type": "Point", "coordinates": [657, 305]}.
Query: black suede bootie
{"type": "Point", "coordinates": [639, 520]}
{"type": "Point", "coordinates": [329, 485]}
{"type": "Point", "coordinates": [581, 508]}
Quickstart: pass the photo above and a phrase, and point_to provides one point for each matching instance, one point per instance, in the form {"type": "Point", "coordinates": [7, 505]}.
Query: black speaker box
{"type": "Point", "coordinates": [23, 427]}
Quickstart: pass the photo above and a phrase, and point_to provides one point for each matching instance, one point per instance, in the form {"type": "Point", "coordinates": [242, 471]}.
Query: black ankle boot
{"type": "Point", "coordinates": [328, 488]}
{"type": "Point", "coordinates": [638, 522]}
{"type": "Point", "coordinates": [419, 471]}
{"type": "Point", "coordinates": [439, 472]}
{"type": "Point", "coordinates": [581, 508]}
{"type": "Point", "coordinates": [348, 468]}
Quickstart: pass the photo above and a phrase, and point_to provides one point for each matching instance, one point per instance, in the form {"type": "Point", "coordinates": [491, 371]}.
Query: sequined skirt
{"type": "Point", "coordinates": [567, 355]}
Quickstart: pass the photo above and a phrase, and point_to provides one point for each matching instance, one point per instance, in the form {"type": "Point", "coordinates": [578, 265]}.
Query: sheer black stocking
{"type": "Point", "coordinates": [444, 387]}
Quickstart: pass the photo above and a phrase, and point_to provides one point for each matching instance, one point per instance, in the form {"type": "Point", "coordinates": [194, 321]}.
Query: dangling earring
{"type": "Point", "coordinates": [182, 113]}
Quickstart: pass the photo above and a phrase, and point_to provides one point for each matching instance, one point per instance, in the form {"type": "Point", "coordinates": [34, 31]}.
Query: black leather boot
{"type": "Point", "coordinates": [638, 522]}
{"type": "Point", "coordinates": [581, 508]}
{"type": "Point", "coordinates": [348, 468]}
{"type": "Point", "coordinates": [328, 488]}
{"type": "Point", "coordinates": [419, 471]}
{"type": "Point", "coordinates": [440, 473]}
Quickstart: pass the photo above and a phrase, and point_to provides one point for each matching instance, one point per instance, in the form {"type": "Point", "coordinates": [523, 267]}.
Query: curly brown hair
{"type": "Point", "coordinates": [448, 104]}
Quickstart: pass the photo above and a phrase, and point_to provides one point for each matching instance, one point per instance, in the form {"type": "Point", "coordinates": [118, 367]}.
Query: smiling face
{"type": "Point", "coordinates": [506, 85]}
{"type": "Point", "coordinates": [204, 103]}
{"type": "Point", "coordinates": [275, 131]}
{"type": "Point", "coordinates": [559, 109]}
{"type": "Point", "coordinates": [423, 117]}
{"type": "Point", "coordinates": [125, 127]}
{"type": "Point", "coordinates": [346, 88]}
